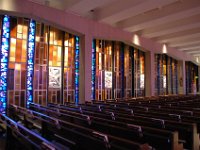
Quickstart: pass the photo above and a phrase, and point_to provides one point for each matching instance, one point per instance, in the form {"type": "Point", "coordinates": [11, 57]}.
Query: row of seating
{"type": "Point", "coordinates": [184, 109]}
{"type": "Point", "coordinates": [20, 137]}
{"type": "Point", "coordinates": [151, 123]}
{"type": "Point", "coordinates": [70, 134]}
{"type": "Point", "coordinates": [179, 113]}
{"type": "Point", "coordinates": [107, 124]}
{"type": "Point", "coordinates": [187, 130]}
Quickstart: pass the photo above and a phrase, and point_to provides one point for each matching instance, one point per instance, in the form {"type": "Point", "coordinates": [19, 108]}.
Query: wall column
{"type": "Point", "coordinates": [149, 74]}
{"type": "Point", "coordinates": [85, 69]}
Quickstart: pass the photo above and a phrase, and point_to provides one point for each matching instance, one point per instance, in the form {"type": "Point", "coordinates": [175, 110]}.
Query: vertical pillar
{"type": "Point", "coordinates": [149, 74]}
{"type": "Point", "coordinates": [85, 68]}
{"type": "Point", "coordinates": [30, 62]}
{"type": "Point", "coordinates": [4, 59]}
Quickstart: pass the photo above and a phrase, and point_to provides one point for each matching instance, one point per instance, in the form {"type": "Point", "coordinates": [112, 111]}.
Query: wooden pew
{"type": "Point", "coordinates": [124, 130]}
{"type": "Point", "coordinates": [186, 115]}
{"type": "Point", "coordinates": [187, 131]}
{"type": "Point", "coordinates": [83, 137]}
{"type": "Point", "coordinates": [19, 137]}
{"type": "Point", "coordinates": [185, 120]}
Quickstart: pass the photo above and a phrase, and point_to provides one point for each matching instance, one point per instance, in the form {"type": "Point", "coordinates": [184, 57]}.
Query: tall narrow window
{"type": "Point", "coordinates": [103, 78]}
{"type": "Point", "coordinates": [139, 76]}
{"type": "Point", "coordinates": [166, 75]}
{"type": "Point", "coordinates": [4, 62]}
{"type": "Point", "coordinates": [93, 68]}
{"type": "Point", "coordinates": [69, 68]}
{"type": "Point", "coordinates": [55, 62]}
{"type": "Point", "coordinates": [77, 69]}
{"type": "Point", "coordinates": [30, 62]}
{"type": "Point", "coordinates": [128, 71]}
{"type": "Point", "coordinates": [17, 71]}
{"type": "Point", "coordinates": [191, 77]}
{"type": "Point", "coordinates": [118, 69]}
{"type": "Point", "coordinates": [40, 65]}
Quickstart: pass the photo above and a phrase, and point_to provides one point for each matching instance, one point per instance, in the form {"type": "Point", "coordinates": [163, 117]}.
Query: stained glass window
{"type": "Point", "coordinates": [30, 62]}
{"type": "Point", "coordinates": [17, 71]}
{"type": "Point", "coordinates": [93, 68]}
{"type": "Point", "coordinates": [77, 70]}
{"type": "Point", "coordinates": [5, 47]}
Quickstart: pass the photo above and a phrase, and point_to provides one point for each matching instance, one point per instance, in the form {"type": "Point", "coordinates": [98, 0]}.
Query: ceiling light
{"type": "Point", "coordinates": [164, 49]}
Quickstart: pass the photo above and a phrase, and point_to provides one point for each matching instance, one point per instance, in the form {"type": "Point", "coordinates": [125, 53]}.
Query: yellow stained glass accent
{"type": "Point", "coordinates": [54, 53]}
{"type": "Point", "coordinates": [17, 66]}
{"type": "Point", "coordinates": [50, 63]}
{"type": "Point", "coordinates": [66, 56]}
{"type": "Point", "coordinates": [55, 42]}
{"type": "Point", "coordinates": [12, 49]}
{"type": "Point", "coordinates": [19, 35]}
{"type": "Point", "coordinates": [12, 59]}
{"type": "Point", "coordinates": [66, 42]}
{"type": "Point", "coordinates": [37, 38]}
{"type": "Point", "coordinates": [51, 38]}
{"type": "Point", "coordinates": [25, 32]}
{"type": "Point", "coordinates": [19, 28]}
{"type": "Point", "coordinates": [100, 65]}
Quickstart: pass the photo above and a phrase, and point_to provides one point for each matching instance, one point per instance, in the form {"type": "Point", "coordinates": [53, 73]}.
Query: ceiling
{"type": "Point", "coordinates": [173, 22]}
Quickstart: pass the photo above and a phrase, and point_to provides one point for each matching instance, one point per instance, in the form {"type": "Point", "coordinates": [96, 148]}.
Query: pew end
{"type": "Point", "coordinates": [176, 144]}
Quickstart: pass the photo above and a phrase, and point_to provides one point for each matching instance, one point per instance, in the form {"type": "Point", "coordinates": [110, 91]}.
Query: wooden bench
{"type": "Point", "coordinates": [187, 131]}
{"type": "Point", "coordinates": [151, 135]}
{"type": "Point", "coordinates": [19, 137]}
{"type": "Point", "coordinates": [83, 137]}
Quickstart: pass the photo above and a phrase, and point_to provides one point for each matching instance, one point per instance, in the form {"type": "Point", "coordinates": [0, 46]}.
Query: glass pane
{"type": "Point", "coordinates": [69, 69]}
{"type": "Point", "coordinates": [55, 72]}
{"type": "Point", "coordinates": [40, 68]}
{"type": "Point", "coordinates": [17, 61]}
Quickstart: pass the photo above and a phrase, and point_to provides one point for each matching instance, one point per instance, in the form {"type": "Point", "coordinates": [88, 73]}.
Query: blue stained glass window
{"type": "Point", "coordinates": [76, 69]}
{"type": "Point", "coordinates": [5, 38]}
{"type": "Point", "coordinates": [30, 62]}
{"type": "Point", "coordinates": [93, 68]}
